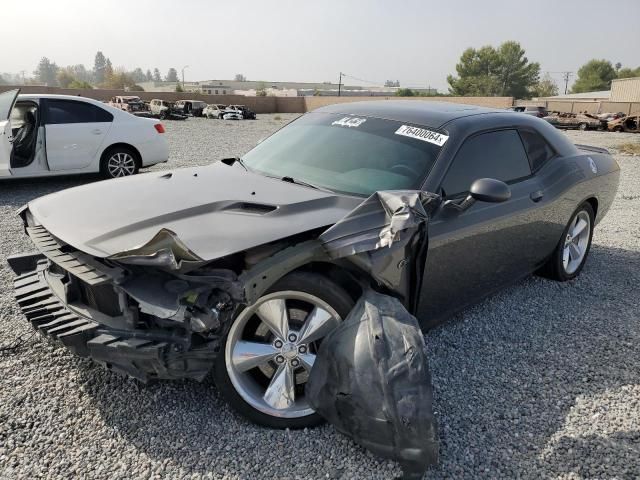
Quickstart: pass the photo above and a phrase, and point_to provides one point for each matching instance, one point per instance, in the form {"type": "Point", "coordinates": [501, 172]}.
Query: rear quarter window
{"type": "Point", "coordinates": [538, 149]}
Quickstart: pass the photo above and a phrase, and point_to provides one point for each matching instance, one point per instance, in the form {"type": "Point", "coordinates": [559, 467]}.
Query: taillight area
{"type": "Point", "coordinates": [159, 127]}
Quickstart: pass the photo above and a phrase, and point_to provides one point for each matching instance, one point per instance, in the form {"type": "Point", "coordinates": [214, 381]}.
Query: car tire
{"type": "Point", "coordinates": [243, 390]}
{"type": "Point", "coordinates": [570, 255]}
{"type": "Point", "coordinates": [118, 162]}
{"type": "Point", "coordinates": [618, 129]}
{"type": "Point", "coordinates": [583, 126]}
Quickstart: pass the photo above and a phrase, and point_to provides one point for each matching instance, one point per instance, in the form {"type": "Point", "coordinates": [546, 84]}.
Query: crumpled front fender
{"type": "Point", "coordinates": [371, 381]}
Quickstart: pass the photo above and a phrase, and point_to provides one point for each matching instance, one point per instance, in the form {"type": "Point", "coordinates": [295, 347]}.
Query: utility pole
{"type": "Point", "coordinates": [566, 76]}
{"type": "Point", "coordinates": [22, 72]}
{"type": "Point", "coordinates": [186, 66]}
{"type": "Point", "coordinates": [340, 84]}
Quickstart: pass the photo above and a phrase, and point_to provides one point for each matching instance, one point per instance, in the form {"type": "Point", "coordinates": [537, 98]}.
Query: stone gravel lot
{"type": "Point", "coordinates": [540, 381]}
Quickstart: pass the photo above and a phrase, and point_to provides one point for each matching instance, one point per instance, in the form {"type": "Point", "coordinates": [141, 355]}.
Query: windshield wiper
{"type": "Point", "coordinates": [232, 160]}
{"type": "Point", "coordinates": [304, 184]}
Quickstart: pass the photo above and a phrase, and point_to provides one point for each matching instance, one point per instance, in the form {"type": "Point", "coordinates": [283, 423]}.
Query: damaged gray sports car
{"type": "Point", "coordinates": [296, 273]}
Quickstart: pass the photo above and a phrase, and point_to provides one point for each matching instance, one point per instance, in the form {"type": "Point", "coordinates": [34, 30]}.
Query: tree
{"type": "Point", "coordinates": [628, 72]}
{"type": "Point", "coordinates": [405, 92]}
{"type": "Point", "coordinates": [489, 71]}
{"type": "Point", "coordinates": [65, 77]}
{"type": "Point", "coordinates": [118, 80]}
{"type": "Point", "coordinates": [99, 64]}
{"type": "Point", "coordinates": [138, 75]}
{"type": "Point", "coordinates": [179, 88]}
{"type": "Point", "coordinates": [156, 75]}
{"type": "Point", "coordinates": [546, 87]}
{"type": "Point", "coordinates": [618, 66]}
{"type": "Point", "coordinates": [172, 75]}
{"type": "Point", "coordinates": [46, 72]}
{"type": "Point", "coordinates": [240, 78]}
{"type": "Point", "coordinates": [80, 85]}
{"type": "Point", "coordinates": [593, 76]}
{"type": "Point", "coordinates": [147, 76]}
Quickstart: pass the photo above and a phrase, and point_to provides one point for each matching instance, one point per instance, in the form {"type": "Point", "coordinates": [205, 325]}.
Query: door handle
{"type": "Point", "coordinates": [537, 195]}
{"type": "Point", "coordinates": [96, 131]}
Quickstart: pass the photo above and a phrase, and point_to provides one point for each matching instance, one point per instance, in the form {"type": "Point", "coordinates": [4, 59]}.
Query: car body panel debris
{"type": "Point", "coordinates": [371, 381]}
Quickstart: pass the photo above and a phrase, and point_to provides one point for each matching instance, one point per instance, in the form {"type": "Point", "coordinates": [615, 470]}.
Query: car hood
{"type": "Point", "coordinates": [214, 211]}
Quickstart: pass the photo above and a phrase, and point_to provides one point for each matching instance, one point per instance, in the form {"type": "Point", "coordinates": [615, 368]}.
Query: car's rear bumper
{"type": "Point", "coordinates": [145, 355]}
{"type": "Point", "coordinates": [155, 151]}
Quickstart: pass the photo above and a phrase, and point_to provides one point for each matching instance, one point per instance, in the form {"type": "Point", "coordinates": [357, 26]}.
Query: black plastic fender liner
{"type": "Point", "coordinates": [371, 380]}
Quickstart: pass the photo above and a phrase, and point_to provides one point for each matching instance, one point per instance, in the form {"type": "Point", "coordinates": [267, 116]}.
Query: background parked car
{"type": "Point", "coordinates": [534, 110]}
{"type": "Point", "coordinates": [62, 134]}
{"type": "Point", "coordinates": [244, 111]}
{"type": "Point", "coordinates": [609, 116]}
{"type": "Point", "coordinates": [214, 110]}
{"type": "Point", "coordinates": [629, 124]}
{"type": "Point", "coordinates": [581, 121]}
{"type": "Point", "coordinates": [129, 103]}
{"type": "Point", "coordinates": [164, 109]}
{"type": "Point", "coordinates": [190, 107]}
{"type": "Point", "coordinates": [232, 115]}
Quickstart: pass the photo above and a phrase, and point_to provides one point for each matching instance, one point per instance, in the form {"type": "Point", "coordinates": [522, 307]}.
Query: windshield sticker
{"type": "Point", "coordinates": [350, 122]}
{"type": "Point", "coordinates": [422, 134]}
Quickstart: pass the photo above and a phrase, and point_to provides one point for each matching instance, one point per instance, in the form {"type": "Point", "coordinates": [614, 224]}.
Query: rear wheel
{"type": "Point", "coordinates": [583, 126]}
{"type": "Point", "coordinates": [271, 346]}
{"type": "Point", "coordinates": [570, 255]}
{"type": "Point", "coordinates": [119, 162]}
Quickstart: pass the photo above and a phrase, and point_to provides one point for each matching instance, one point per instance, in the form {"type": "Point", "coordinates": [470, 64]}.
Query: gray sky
{"type": "Point", "coordinates": [416, 42]}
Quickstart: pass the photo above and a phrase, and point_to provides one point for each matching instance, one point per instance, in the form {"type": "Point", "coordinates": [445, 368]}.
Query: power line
{"type": "Point", "coordinates": [566, 75]}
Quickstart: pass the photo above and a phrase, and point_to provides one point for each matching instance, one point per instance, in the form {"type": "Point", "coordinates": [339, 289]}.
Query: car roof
{"type": "Point", "coordinates": [36, 96]}
{"type": "Point", "coordinates": [420, 112]}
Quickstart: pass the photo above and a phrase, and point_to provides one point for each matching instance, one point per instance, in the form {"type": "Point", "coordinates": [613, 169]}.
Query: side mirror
{"type": "Point", "coordinates": [483, 190]}
{"type": "Point", "coordinates": [490, 190]}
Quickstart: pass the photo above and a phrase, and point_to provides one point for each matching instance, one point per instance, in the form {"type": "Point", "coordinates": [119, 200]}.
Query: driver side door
{"type": "Point", "coordinates": [475, 252]}
{"type": "Point", "coordinates": [7, 101]}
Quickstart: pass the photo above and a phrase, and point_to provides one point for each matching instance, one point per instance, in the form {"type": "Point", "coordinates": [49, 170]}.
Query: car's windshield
{"type": "Point", "coordinates": [349, 154]}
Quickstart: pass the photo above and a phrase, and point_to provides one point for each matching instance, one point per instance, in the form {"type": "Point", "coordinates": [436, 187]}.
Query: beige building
{"type": "Point", "coordinates": [625, 90]}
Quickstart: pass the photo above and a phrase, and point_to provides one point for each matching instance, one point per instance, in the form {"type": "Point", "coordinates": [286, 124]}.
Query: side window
{"type": "Point", "coordinates": [69, 111]}
{"type": "Point", "coordinates": [497, 155]}
{"type": "Point", "coordinates": [538, 150]}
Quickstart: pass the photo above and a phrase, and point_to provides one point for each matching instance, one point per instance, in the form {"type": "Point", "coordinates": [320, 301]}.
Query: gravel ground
{"type": "Point", "coordinates": [540, 381]}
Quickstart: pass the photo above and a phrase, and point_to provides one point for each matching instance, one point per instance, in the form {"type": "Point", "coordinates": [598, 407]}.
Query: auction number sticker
{"type": "Point", "coordinates": [422, 134]}
{"type": "Point", "coordinates": [350, 122]}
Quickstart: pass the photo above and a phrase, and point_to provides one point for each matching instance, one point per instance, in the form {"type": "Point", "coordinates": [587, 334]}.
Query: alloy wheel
{"type": "Point", "coordinates": [121, 164]}
{"type": "Point", "coordinates": [271, 348]}
{"type": "Point", "coordinates": [576, 242]}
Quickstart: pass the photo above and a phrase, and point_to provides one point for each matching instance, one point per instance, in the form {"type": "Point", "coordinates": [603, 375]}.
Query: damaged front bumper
{"type": "Point", "coordinates": [158, 311]}
{"type": "Point", "coordinates": [144, 355]}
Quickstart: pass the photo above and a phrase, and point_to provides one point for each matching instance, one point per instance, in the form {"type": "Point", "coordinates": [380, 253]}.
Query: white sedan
{"type": "Point", "coordinates": [45, 135]}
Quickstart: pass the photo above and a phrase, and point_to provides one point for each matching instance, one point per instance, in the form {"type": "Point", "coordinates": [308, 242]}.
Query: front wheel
{"type": "Point", "coordinates": [119, 162]}
{"type": "Point", "coordinates": [570, 255]}
{"type": "Point", "coordinates": [583, 127]}
{"type": "Point", "coordinates": [271, 346]}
